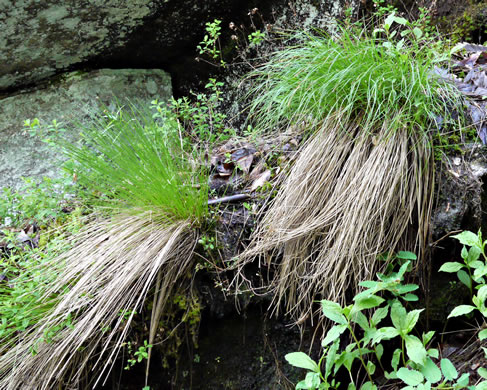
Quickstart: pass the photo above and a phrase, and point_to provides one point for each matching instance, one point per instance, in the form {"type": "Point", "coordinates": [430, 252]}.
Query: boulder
{"type": "Point", "coordinates": [71, 99]}
{"type": "Point", "coordinates": [40, 39]}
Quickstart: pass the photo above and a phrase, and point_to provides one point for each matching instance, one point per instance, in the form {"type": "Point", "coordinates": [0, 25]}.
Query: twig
{"type": "Point", "coordinates": [227, 199]}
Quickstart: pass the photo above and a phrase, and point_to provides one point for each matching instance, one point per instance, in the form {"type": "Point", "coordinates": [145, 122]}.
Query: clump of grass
{"type": "Point", "coordinates": [363, 182]}
{"type": "Point", "coordinates": [135, 161]}
{"type": "Point", "coordinates": [150, 198]}
{"type": "Point", "coordinates": [355, 74]}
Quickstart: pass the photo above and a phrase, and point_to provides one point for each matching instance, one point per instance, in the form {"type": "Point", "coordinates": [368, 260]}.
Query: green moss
{"type": "Point", "coordinates": [461, 25]}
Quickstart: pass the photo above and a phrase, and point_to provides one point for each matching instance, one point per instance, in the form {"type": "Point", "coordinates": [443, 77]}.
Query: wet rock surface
{"type": "Point", "coordinates": [69, 100]}
{"type": "Point", "coordinates": [460, 192]}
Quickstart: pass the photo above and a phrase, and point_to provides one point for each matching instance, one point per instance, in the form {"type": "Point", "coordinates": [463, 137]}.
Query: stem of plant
{"type": "Point", "coordinates": [380, 363]}
{"type": "Point", "coordinates": [403, 353]}
{"type": "Point", "coordinates": [360, 352]}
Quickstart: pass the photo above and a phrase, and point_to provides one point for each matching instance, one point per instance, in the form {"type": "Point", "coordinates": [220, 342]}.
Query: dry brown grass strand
{"type": "Point", "coordinates": [109, 271]}
{"type": "Point", "coordinates": [349, 197]}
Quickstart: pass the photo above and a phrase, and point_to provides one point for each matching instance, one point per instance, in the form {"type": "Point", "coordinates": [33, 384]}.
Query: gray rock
{"type": "Point", "coordinates": [72, 98]}
{"type": "Point", "coordinates": [461, 197]}
{"type": "Point", "coordinates": [41, 38]}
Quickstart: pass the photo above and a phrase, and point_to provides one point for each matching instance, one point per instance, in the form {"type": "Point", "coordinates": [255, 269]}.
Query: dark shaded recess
{"type": "Point", "coordinates": [168, 39]}
{"type": "Point", "coordinates": [241, 351]}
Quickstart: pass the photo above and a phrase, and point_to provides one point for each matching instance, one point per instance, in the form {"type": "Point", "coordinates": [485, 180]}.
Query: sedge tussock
{"type": "Point", "coordinates": [148, 199]}
{"type": "Point", "coordinates": [344, 202]}
{"type": "Point", "coordinates": [363, 182]}
{"type": "Point", "coordinates": [108, 272]}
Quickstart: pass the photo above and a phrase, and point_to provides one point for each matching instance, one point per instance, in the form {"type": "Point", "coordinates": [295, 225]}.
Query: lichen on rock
{"type": "Point", "coordinates": [72, 98]}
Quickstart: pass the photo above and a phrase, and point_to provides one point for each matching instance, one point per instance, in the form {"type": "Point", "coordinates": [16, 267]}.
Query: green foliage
{"type": "Point", "coordinates": [413, 362]}
{"type": "Point", "coordinates": [208, 243]}
{"type": "Point", "coordinates": [138, 356]}
{"type": "Point", "coordinates": [136, 162]}
{"type": "Point", "coordinates": [256, 37]}
{"type": "Point", "coordinates": [380, 77]}
{"type": "Point", "coordinates": [37, 201]}
{"type": "Point", "coordinates": [210, 45]}
{"type": "Point", "coordinates": [47, 133]}
{"type": "Point", "coordinates": [24, 284]}
{"type": "Point", "coordinates": [474, 267]}
{"type": "Point", "coordinates": [199, 120]}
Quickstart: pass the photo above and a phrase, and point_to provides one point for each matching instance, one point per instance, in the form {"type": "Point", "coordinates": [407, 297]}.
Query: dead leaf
{"type": "Point", "coordinates": [470, 61]}
{"type": "Point", "coordinates": [471, 48]}
{"type": "Point", "coordinates": [245, 163]}
{"type": "Point", "coordinates": [224, 169]}
{"type": "Point", "coordinates": [258, 169]}
{"type": "Point", "coordinates": [261, 180]}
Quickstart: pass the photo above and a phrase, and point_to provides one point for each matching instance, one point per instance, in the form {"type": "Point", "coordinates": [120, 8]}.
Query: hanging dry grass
{"type": "Point", "coordinates": [363, 183]}
{"type": "Point", "coordinates": [108, 272]}
{"type": "Point", "coordinates": [348, 198]}
{"type": "Point", "coordinates": [151, 197]}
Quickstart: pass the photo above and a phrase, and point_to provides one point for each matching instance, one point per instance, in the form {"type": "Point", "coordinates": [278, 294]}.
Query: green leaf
{"type": "Point", "coordinates": [405, 255]}
{"type": "Point", "coordinates": [451, 267]}
{"type": "Point", "coordinates": [312, 380]}
{"type": "Point", "coordinates": [370, 367]}
{"type": "Point", "coordinates": [368, 283]}
{"type": "Point", "coordinates": [431, 371]}
{"type": "Point", "coordinates": [448, 369]}
{"type": "Point", "coordinates": [462, 381]}
{"type": "Point", "coordinates": [379, 315]}
{"type": "Point", "coordinates": [331, 357]}
{"type": "Point", "coordinates": [464, 278]}
{"type": "Point", "coordinates": [385, 333]}
{"type": "Point", "coordinates": [398, 315]}
{"type": "Point", "coordinates": [483, 334]}
{"type": "Point", "coordinates": [396, 356]}
{"type": "Point", "coordinates": [368, 386]}
{"type": "Point", "coordinates": [351, 386]}
{"type": "Point", "coordinates": [379, 351]}
{"type": "Point", "coordinates": [360, 319]}
{"type": "Point", "coordinates": [482, 372]}
{"type": "Point", "coordinates": [461, 310]}
{"type": "Point", "coordinates": [403, 270]}
{"type": "Point", "coordinates": [333, 311]}
{"type": "Point", "coordinates": [468, 238]}
{"type": "Point", "coordinates": [388, 21]}
{"type": "Point", "coordinates": [301, 360]}
{"type": "Point", "coordinates": [410, 377]}
{"type": "Point", "coordinates": [400, 20]}
{"type": "Point", "coordinates": [411, 319]}
{"type": "Point", "coordinates": [410, 298]}
{"type": "Point", "coordinates": [417, 32]}
{"type": "Point", "coordinates": [480, 271]}
{"type": "Point", "coordinates": [367, 302]}
{"type": "Point", "coordinates": [482, 293]}
{"type": "Point", "coordinates": [481, 386]}
{"type": "Point", "coordinates": [473, 255]}
{"type": "Point", "coordinates": [349, 357]}
{"type": "Point", "coordinates": [433, 352]}
{"type": "Point", "coordinates": [415, 349]}
{"type": "Point", "coordinates": [333, 334]}
{"type": "Point", "coordinates": [428, 336]}
{"type": "Point", "coordinates": [405, 288]}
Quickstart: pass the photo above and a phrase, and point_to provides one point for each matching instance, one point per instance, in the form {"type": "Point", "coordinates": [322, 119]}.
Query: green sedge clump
{"type": "Point", "coordinates": [134, 161]}
{"type": "Point", "coordinates": [383, 76]}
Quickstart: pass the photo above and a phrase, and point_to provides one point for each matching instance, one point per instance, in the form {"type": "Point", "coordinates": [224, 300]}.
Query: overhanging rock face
{"type": "Point", "coordinates": [41, 38]}
{"type": "Point", "coordinates": [72, 99]}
